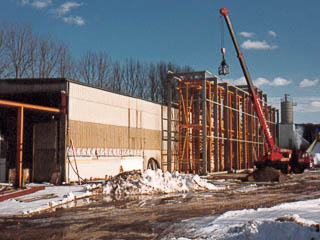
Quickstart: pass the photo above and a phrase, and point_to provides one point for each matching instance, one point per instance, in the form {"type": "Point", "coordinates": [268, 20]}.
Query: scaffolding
{"type": "Point", "coordinates": [212, 125]}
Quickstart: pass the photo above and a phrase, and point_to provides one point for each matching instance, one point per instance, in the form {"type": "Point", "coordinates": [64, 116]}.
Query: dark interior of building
{"type": "Point", "coordinates": [37, 127]}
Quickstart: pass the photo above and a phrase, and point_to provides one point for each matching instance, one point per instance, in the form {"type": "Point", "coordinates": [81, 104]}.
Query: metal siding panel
{"type": "Point", "coordinates": [99, 106]}
{"type": "Point", "coordinates": [92, 135]}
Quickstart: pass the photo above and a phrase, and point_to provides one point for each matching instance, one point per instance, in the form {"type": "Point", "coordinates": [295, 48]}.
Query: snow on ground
{"type": "Point", "coordinates": [152, 182]}
{"type": "Point", "coordinates": [149, 182]}
{"type": "Point", "coordinates": [63, 194]}
{"type": "Point", "coordinates": [299, 220]}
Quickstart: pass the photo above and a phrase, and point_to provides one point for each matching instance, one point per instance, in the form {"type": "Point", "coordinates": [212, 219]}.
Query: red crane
{"type": "Point", "coordinates": [273, 151]}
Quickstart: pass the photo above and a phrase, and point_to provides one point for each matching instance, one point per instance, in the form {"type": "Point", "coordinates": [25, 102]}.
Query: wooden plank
{"type": "Point", "coordinates": [20, 193]}
{"type": "Point", "coordinates": [40, 197]}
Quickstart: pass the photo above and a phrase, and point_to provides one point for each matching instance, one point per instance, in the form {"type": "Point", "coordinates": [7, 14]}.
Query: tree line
{"type": "Point", "coordinates": [24, 54]}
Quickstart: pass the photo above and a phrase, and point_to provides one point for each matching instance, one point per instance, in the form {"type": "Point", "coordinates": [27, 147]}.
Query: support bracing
{"type": "Point", "coordinates": [217, 127]}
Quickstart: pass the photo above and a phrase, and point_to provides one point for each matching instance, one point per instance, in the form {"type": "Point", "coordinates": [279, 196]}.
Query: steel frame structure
{"type": "Point", "coordinates": [217, 127]}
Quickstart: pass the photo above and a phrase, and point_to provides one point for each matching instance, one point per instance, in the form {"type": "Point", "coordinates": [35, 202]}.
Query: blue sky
{"type": "Point", "coordinates": [279, 39]}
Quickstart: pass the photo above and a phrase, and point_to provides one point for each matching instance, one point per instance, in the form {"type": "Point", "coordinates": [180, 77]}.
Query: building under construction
{"type": "Point", "coordinates": [59, 126]}
{"type": "Point", "coordinates": [212, 125]}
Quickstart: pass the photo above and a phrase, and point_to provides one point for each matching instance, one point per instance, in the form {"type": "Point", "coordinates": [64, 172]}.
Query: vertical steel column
{"type": "Point", "coordinates": [277, 127]}
{"type": "Point", "coordinates": [244, 131]}
{"type": "Point", "coordinates": [230, 130]}
{"type": "Point", "coordinates": [216, 133]}
{"type": "Point", "coordinates": [169, 124]}
{"type": "Point", "coordinates": [19, 148]}
{"type": "Point", "coordinates": [226, 128]}
{"type": "Point", "coordinates": [274, 130]}
{"type": "Point", "coordinates": [186, 159]}
{"type": "Point", "coordinates": [204, 124]}
{"type": "Point", "coordinates": [221, 141]}
{"type": "Point", "coordinates": [250, 131]}
{"type": "Point", "coordinates": [181, 136]}
{"type": "Point", "coordinates": [236, 130]}
{"type": "Point", "coordinates": [209, 128]}
{"type": "Point", "coordinates": [196, 140]}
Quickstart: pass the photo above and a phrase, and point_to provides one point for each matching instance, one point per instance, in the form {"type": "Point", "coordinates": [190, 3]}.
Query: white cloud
{"type": "Point", "coordinates": [37, 3]}
{"type": "Point", "coordinates": [63, 11]}
{"type": "Point", "coordinates": [257, 45]}
{"type": "Point", "coordinates": [246, 34]}
{"type": "Point", "coordinates": [308, 83]}
{"type": "Point", "coordinates": [25, 2]}
{"type": "Point", "coordinates": [278, 81]}
{"type": "Point", "coordinates": [74, 20]}
{"type": "Point", "coordinates": [67, 7]}
{"type": "Point", "coordinates": [307, 104]}
{"type": "Point", "coordinates": [239, 81]}
{"type": "Point", "coordinates": [316, 105]}
{"type": "Point", "coordinates": [261, 81]}
{"type": "Point", "coordinates": [272, 33]}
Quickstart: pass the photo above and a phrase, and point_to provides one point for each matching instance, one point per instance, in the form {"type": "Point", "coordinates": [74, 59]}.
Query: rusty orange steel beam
{"type": "Point", "coordinates": [29, 106]}
{"type": "Point", "coordinates": [19, 151]}
{"type": "Point", "coordinates": [20, 117]}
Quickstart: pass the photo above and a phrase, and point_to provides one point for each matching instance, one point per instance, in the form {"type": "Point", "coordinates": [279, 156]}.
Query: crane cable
{"type": "Point", "coordinates": [222, 32]}
{"type": "Point", "coordinates": [223, 69]}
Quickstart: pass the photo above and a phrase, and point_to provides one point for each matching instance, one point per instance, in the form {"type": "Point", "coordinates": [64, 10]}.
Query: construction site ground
{"type": "Point", "coordinates": [154, 217]}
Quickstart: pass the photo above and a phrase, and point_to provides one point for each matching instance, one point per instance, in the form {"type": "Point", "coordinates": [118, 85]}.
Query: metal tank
{"type": "Point", "coordinates": [286, 110]}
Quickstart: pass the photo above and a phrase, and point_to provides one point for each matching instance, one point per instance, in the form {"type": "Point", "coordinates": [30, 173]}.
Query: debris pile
{"type": "Point", "coordinates": [155, 182]}
{"type": "Point", "coordinates": [266, 174]}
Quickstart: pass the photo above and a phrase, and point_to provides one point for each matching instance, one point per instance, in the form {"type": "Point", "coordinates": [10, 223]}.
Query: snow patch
{"type": "Point", "coordinates": [155, 182]}
{"type": "Point", "coordinates": [63, 194]}
{"type": "Point", "coordinates": [264, 230]}
{"type": "Point", "coordinates": [297, 220]}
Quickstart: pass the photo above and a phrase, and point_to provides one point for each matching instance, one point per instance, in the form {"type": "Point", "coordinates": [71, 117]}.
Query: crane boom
{"type": "Point", "coordinates": [254, 96]}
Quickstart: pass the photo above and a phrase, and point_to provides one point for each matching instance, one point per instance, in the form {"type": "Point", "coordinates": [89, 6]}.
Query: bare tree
{"type": "Point", "coordinates": [48, 56]}
{"type": "Point", "coordinates": [162, 71]}
{"type": "Point", "coordinates": [20, 45]}
{"type": "Point", "coordinates": [142, 80]}
{"type": "Point", "coordinates": [95, 68]}
{"type": "Point", "coordinates": [115, 83]}
{"type": "Point", "coordinates": [130, 77]}
{"type": "Point", "coordinates": [87, 67]}
{"type": "Point", "coordinates": [66, 68]}
{"type": "Point", "coordinates": [4, 61]}
{"type": "Point", "coordinates": [154, 83]}
{"type": "Point", "coordinates": [104, 69]}
{"type": "Point", "coordinates": [23, 54]}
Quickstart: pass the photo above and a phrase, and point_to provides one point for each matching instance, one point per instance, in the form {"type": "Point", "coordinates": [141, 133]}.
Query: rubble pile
{"type": "Point", "coordinates": [266, 174]}
{"type": "Point", "coordinates": [155, 182]}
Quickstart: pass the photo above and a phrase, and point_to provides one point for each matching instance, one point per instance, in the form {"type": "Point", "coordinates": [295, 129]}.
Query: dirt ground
{"type": "Point", "coordinates": [153, 217]}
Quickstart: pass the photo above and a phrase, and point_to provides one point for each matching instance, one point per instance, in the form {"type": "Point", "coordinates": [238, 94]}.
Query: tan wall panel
{"type": "Point", "coordinates": [94, 135]}
{"type": "Point", "coordinates": [89, 104]}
